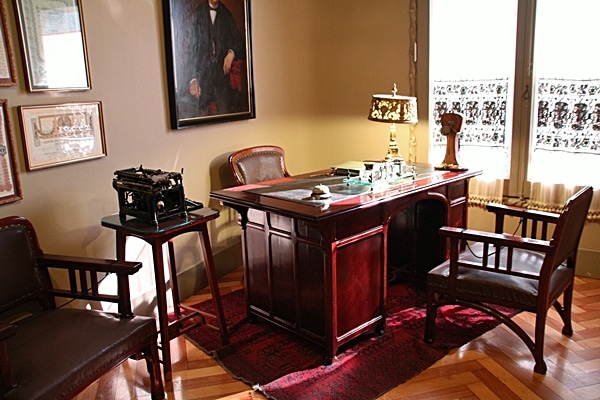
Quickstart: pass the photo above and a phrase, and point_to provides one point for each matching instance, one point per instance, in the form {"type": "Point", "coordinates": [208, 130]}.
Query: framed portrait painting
{"type": "Point", "coordinates": [209, 61]}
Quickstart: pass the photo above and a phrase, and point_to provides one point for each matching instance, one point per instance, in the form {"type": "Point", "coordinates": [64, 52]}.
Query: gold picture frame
{"type": "Point", "coordinates": [62, 134]}
{"type": "Point", "coordinates": [52, 38]}
{"type": "Point", "coordinates": [10, 186]}
{"type": "Point", "coordinates": [8, 75]}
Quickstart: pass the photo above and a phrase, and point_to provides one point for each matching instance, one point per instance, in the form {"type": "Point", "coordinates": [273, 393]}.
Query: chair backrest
{"type": "Point", "coordinates": [258, 164]}
{"type": "Point", "coordinates": [569, 226]}
{"type": "Point", "coordinates": [22, 282]}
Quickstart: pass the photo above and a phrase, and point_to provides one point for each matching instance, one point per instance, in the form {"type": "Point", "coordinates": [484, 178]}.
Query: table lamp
{"type": "Point", "coordinates": [393, 109]}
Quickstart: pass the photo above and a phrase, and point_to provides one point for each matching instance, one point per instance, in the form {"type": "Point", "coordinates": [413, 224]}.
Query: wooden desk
{"type": "Point", "coordinates": [319, 268]}
{"type": "Point", "coordinates": [156, 236]}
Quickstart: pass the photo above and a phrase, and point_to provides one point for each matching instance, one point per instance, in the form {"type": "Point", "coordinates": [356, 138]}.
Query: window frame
{"type": "Point", "coordinates": [516, 186]}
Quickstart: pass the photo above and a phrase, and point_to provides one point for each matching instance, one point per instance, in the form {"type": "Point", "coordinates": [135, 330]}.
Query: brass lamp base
{"type": "Point", "coordinates": [393, 151]}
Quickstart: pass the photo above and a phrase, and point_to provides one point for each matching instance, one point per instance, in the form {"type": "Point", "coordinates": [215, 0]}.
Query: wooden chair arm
{"type": "Point", "coordinates": [534, 224]}
{"type": "Point", "coordinates": [90, 264]}
{"type": "Point", "coordinates": [84, 282]}
{"type": "Point", "coordinates": [522, 212]}
{"type": "Point", "coordinates": [497, 249]}
{"type": "Point", "coordinates": [496, 239]}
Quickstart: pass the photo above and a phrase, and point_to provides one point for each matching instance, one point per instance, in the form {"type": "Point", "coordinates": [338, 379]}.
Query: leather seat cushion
{"type": "Point", "coordinates": [502, 288]}
{"type": "Point", "coordinates": [55, 351]}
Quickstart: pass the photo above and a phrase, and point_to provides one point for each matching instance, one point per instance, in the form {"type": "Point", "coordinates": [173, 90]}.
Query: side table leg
{"type": "Point", "coordinates": [213, 282]}
{"type": "Point", "coordinates": [121, 241]}
{"type": "Point", "coordinates": [161, 303]}
{"type": "Point", "coordinates": [174, 284]}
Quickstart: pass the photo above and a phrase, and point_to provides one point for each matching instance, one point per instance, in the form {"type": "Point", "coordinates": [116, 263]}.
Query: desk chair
{"type": "Point", "coordinates": [258, 164]}
{"type": "Point", "coordinates": [526, 273]}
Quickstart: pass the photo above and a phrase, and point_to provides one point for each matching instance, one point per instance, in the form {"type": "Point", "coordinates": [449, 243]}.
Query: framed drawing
{"type": "Point", "coordinates": [61, 134]}
{"type": "Point", "coordinates": [8, 76]}
{"type": "Point", "coordinates": [209, 61]}
{"type": "Point", "coordinates": [10, 186]}
{"type": "Point", "coordinates": [53, 44]}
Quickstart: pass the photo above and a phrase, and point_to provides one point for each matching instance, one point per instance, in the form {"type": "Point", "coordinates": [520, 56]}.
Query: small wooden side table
{"type": "Point", "coordinates": [157, 236]}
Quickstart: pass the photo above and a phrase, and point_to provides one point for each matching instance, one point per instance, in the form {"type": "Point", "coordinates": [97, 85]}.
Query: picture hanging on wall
{"type": "Point", "coordinates": [61, 134]}
{"type": "Point", "coordinates": [8, 76]}
{"type": "Point", "coordinates": [10, 186]}
{"type": "Point", "coordinates": [209, 61]}
{"type": "Point", "coordinates": [53, 44]}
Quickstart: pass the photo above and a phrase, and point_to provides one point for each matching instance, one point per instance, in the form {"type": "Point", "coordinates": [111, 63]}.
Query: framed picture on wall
{"type": "Point", "coordinates": [52, 38]}
{"type": "Point", "coordinates": [10, 186]}
{"type": "Point", "coordinates": [8, 76]}
{"type": "Point", "coordinates": [61, 134]}
{"type": "Point", "coordinates": [209, 61]}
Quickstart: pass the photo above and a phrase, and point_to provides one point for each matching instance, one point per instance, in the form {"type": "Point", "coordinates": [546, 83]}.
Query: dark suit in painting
{"type": "Point", "coordinates": [215, 46]}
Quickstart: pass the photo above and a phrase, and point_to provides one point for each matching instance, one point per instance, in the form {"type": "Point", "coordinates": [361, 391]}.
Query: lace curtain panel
{"type": "Point", "coordinates": [566, 148]}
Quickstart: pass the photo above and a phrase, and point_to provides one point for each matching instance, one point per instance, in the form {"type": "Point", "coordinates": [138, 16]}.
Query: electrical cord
{"type": "Point", "coordinates": [494, 252]}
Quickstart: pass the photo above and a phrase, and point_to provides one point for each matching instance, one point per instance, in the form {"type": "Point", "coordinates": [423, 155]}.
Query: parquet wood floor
{"type": "Point", "coordinates": [496, 365]}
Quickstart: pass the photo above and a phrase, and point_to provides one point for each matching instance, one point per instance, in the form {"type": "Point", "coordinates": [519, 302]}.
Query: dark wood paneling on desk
{"type": "Point", "coordinates": [321, 270]}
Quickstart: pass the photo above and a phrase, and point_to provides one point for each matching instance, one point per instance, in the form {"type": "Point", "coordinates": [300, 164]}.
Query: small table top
{"type": "Point", "coordinates": [139, 227]}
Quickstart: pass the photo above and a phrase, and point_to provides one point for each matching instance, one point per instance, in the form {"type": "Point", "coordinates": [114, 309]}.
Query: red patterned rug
{"type": "Point", "coordinates": [284, 366]}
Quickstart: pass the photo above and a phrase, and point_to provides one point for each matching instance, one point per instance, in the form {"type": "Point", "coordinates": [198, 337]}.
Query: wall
{"type": "Point", "coordinates": [316, 65]}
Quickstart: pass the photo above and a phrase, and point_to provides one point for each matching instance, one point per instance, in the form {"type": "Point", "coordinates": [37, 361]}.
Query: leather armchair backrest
{"type": "Point", "coordinates": [21, 279]}
{"type": "Point", "coordinates": [258, 164]}
{"type": "Point", "coordinates": [570, 225]}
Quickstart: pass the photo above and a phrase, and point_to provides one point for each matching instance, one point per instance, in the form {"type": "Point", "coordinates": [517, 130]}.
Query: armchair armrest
{"type": "Point", "coordinates": [531, 220]}
{"type": "Point", "coordinates": [83, 279]}
{"type": "Point", "coordinates": [500, 242]}
{"type": "Point", "coordinates": [497, 239]}
{"type": "Point", "coordinates": [6, 331]}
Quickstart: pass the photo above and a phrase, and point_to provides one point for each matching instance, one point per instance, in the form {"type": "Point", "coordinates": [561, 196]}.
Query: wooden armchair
{"type": "Point", "coordinates": [258, 164]}
{"type": "Point", "coordinates": [527, 272]}
{"type": "Point", "coordinates": [49, 352]}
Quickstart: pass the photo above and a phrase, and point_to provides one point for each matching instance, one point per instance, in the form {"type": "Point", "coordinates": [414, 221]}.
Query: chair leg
{"type": "Point", "coordinates": [565, 311]}
{"type": "Point", "coordinates": [538, 350]}
{"type": "Point", "coordinates": [153, 364]}
{"type": "Point", "coordinates": [430, 316]}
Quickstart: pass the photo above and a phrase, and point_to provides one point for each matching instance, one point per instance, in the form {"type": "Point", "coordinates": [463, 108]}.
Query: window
{"type": "Point", "coordinates": [522, 74]}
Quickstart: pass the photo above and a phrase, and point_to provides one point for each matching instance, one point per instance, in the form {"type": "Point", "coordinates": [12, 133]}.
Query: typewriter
{"type": "Point", "coordinates": [152, 195]}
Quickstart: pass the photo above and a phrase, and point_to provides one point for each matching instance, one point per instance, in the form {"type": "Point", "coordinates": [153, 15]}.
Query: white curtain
{"type": "Point", "coordinates": [565, 141]}
{"type": "Point", "coordinates": [463, 80]}
{"type": "Point", "coordinates": [472, 71]}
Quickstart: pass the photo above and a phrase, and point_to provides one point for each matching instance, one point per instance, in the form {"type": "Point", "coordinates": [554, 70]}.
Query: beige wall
{"type": "Point", "coordinates": [316, 64]}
